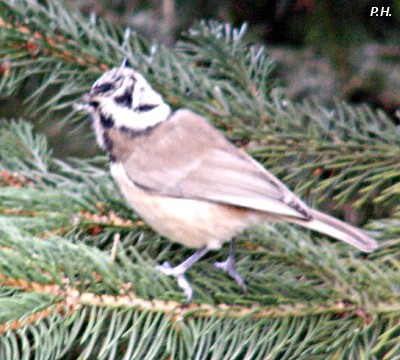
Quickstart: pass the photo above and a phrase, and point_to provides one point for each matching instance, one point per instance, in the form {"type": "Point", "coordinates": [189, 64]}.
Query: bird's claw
{"type": "Point", "coordinates": [165, 268]}
{"type": "Point", "coordinates": [178, 274]}
{"type": "Point", "coordinates": [228, 267]}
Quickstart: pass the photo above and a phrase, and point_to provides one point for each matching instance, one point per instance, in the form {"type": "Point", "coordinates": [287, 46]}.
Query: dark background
{"type": "Point", "coordinates": [324, 50]}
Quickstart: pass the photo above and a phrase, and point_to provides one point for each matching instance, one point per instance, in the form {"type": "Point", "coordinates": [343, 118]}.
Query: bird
{"type": "Point", "coordinates": [187, 180]}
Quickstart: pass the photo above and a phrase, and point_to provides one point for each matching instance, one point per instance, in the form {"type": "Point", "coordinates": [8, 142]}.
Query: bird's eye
{"type": "Point", "coordinates": [103, 88]}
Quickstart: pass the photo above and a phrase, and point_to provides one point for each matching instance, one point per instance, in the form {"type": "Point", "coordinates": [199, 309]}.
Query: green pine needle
{"type": "Point", "coordinates": [69, 292]}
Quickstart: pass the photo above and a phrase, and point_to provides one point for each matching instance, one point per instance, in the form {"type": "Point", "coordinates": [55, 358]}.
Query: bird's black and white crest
{"type": "Point", "coordinates": [123, 98]}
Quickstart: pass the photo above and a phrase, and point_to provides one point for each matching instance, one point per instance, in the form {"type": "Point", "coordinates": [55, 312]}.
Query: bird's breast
{"type": "Point", "coordinates": [191, 222]}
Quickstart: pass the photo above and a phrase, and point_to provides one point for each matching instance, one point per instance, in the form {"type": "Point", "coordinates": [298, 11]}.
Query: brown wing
{"type": "Point", "coordinates": [187, 157]}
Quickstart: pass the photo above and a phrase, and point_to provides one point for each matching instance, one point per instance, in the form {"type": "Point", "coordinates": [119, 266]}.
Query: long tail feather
{"type": "Point", "coordinates": [337, 229]}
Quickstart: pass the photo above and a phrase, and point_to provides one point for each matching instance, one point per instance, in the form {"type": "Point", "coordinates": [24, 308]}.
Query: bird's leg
{"type": "Point", "coordinates": [178, 272]}
{"type": "Point", "coordinates": [229, 266]}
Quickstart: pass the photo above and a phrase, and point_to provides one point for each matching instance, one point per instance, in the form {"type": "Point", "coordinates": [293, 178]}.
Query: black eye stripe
{"type": "Point", "coordinates": [125, 99]}
{"type": "Point", "coordinates": [145, 107]}
{"type": "Point", "coordinates": [102, 88]}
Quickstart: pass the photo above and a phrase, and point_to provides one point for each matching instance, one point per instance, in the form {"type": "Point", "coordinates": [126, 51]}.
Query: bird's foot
{"type": "Point", "coordinates": [229, 267]}
{"type": "Point", "coordinates": [178, 273]}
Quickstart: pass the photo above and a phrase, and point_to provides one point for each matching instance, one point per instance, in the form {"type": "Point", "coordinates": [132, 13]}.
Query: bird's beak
{"type": "Point", "coordinates": [88, 105]}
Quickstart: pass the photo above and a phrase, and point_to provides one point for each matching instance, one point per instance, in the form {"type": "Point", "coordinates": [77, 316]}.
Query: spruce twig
{"type": "Point", "coordinates": [308, 297]}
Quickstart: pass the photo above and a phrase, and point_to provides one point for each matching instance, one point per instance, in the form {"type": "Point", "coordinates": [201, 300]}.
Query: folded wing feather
{"type": "Point", "coordinates": [209, 168]}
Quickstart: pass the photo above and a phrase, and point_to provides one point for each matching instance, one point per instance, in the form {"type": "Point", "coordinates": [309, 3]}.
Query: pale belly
{"type": "Point", "coordinates": [190, 222]}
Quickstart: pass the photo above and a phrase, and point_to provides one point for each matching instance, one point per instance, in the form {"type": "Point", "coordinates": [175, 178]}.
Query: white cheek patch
{"type": "Point", "coordinates": [143, 94]}
{"type": "Point", "coordinates": [123, 116]}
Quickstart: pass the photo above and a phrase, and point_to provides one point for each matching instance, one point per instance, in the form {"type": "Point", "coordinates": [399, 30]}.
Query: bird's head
{"type": "Point", "coordinates": [122, 98]}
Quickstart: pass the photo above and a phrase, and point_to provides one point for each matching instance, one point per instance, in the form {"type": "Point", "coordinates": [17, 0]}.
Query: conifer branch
{"type": "Point", "coordinates": [307, 297]}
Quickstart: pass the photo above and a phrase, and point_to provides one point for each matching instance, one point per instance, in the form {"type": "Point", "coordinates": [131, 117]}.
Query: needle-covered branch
{"type": "Point", "coordinates": [65, 286]}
